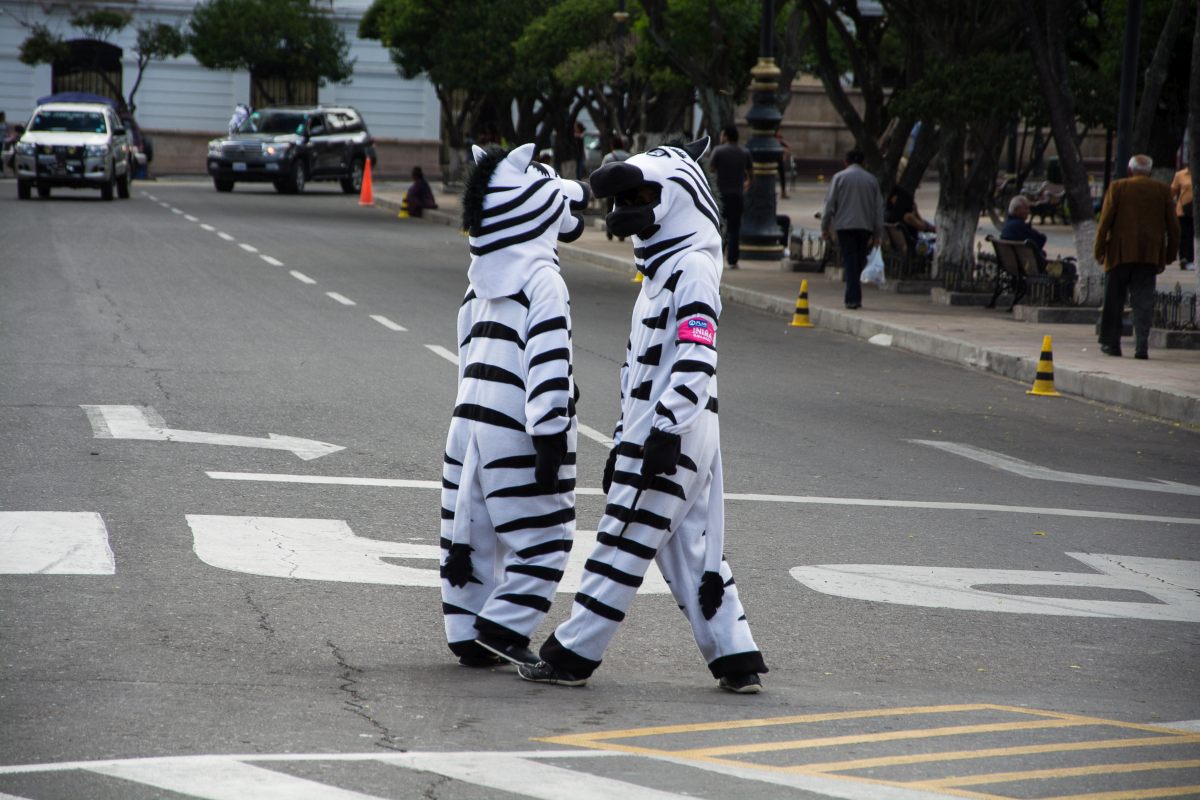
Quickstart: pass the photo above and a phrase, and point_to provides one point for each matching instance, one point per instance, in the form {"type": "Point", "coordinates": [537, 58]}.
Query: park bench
{"type": "Point", "coordinates": [1050, 202]}
{"type": "Point", "coordinates": [1014, 261]}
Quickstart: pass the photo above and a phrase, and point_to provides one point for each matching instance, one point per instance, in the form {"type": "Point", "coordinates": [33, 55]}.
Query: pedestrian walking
{"type": "Point", "coordinates": [1138, 235]}
{"type": "Point", "coordinates": [1181, 192]}
{"type": "Point", "coordinates": [665, 500]}
{"type": "Point", "coordinates": [854, 215]}
{"type": "Point", "coordinates": [508, 478]}
{"type": "Point", "coordinates": [734, 167]}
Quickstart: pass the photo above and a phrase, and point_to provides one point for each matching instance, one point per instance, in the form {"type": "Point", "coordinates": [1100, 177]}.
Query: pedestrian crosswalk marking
{"type": "Point", "coordinates": [235, 777]}
{"type": "Point", "coordinates": [876, 782]}
{"type": "Point", "coordinates": [329, 550]}
{"type": "Point", "coordinates": [54, 543]}
{"type": "Point", "coordinates": [726, 757]}
{"type": "Point", "coordinates": [226, 780]}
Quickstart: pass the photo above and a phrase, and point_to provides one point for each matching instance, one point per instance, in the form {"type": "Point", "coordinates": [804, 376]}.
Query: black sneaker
{"type": "Point", "coordinates": [545, 672]}
{"type": "Point", "coordinates": [509, 651]}
{"type": "Point", "coordinates": [749, 683]}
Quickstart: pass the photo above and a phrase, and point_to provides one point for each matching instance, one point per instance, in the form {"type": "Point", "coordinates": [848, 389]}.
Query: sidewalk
{"type": "Point", "coordinates": [1167, 385]}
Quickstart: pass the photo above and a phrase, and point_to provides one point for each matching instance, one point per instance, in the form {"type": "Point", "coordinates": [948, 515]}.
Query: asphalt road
{"type": "Point", "coordinates": [1071, 669]}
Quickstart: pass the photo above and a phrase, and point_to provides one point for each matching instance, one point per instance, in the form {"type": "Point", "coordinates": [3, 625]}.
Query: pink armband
{"type": "Point", "coordinates": [699, 330]}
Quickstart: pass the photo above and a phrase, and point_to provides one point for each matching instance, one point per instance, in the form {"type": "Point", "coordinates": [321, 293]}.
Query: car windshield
{"type": "Point", "coordinates": [273, 122]}
{"type": "Point", "coordinates": [68, 122]}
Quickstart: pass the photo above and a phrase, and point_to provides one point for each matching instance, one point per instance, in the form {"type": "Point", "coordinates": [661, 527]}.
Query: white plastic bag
{"type": "Point", "coordinates": [873, 272]}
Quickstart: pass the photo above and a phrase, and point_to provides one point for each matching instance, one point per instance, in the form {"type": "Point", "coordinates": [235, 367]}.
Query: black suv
{"type": "Point", "coordinates": [291, 146]}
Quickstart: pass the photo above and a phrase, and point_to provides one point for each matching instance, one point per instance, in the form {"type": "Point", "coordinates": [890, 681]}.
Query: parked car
{"type": "Point", "coordinates": [78, 145]}
{"type": "Point", "coordinates": [292, 146]}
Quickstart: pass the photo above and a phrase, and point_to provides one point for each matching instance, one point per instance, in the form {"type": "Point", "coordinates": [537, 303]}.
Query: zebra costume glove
{"type": "Point", "coordinates": [551, 452]}
{"type": "Point", "coordinates": [457, 569]}
{"type": "Point", "coordinates": [661, 453]}
{"type": "Point", "coordinates": [610, 467]}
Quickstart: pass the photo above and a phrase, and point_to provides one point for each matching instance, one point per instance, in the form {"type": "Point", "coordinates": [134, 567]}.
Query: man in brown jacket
{"type": "Point", "coordinates": [1137, 237]}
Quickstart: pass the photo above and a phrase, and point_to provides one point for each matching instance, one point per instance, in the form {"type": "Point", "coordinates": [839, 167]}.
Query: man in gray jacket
{"type": "Point", "coordinates": [854, 213]}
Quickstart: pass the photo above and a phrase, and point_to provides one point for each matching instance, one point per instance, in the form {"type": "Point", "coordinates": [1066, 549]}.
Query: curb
{"type": "Point", "coordinates": [1158, 402]}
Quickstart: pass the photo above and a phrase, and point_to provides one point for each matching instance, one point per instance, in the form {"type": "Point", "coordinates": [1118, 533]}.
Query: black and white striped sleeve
{"type": "Point", "coordinates": [619, 429]}
{"type": "Point", "coordinates": [464, 328]}
{"type": "Point", "coordinates": [548, 388]}
{"type": "Point", "coordinates": [697, 302]}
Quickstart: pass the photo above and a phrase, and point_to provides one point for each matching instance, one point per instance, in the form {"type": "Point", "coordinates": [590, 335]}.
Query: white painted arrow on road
{"type": "Point", "coordinates": [1040, 473]}
{"type": "Point", "coordinates": [1173, 586]}
{"type": "Point", "coordinates": [142, 422]}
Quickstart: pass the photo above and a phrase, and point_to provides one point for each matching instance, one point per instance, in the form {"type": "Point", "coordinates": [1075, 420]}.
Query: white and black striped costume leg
{"type": "Point", "coordinates": [670, 524]}
{"type": "Point", "coordinates": [521, 538]}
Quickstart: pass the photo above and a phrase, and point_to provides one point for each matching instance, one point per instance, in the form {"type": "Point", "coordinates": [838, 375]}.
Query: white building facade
{"type": "Point", "coordinates": [182, 105]}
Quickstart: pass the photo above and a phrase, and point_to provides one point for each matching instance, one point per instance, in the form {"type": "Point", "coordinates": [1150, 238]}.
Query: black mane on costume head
{"type": "Point", "coordinates": [481, 176]}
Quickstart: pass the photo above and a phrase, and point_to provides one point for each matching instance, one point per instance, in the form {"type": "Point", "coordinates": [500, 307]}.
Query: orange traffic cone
{"type": "Point", "coordinates": [366, 197]}
{"type": "Point", "coordinates": [1043, 382]}
{"type": "Point", "coordinates": [800, 318]}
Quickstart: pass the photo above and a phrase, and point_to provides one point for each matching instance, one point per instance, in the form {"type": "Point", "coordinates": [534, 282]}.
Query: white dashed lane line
{"type": "Point", "coordinates": [190, 218]}
{"type": "Point", "coordinates": [225, 236]}
{"type": "Point", "coordinates": [387, 323]}
{"type": "Point", "coordinates": [175, 210]}
{"type": "Point", "coordinates": [300, 276]}
{"type": "Point", "coordinates": [249, 248]}
{"type": "Point", "coordinates": [341, 298]}
{"type": "Point", "coordinates": [164, 205]}
{"type": "Point", "coordinates": [437, 349]}
{"type": "Point", "coordinates": [274, 262]}
{"type": "Point", "coordinates": [208, 227]}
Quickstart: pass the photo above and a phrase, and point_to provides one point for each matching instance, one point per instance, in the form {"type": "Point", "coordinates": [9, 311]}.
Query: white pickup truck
{"type": "Point", "coordinates": [77, 145]}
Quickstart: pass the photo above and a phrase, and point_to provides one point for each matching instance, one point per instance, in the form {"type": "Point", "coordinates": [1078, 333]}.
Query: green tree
{"type": "Point", "coordinates": [155, 42]}
{"type": "Point", "coordinates": [290, 39]}
{"type": "Point", "coordinates": [713, 44]}
{"type": "Point", "coordinates": [465, 49]}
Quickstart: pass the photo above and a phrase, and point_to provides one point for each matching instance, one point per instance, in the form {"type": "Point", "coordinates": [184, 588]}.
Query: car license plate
{"type": "Point", "coordinates": [239, 166]}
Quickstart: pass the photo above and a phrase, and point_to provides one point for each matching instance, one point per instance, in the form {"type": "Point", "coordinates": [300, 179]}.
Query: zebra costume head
{"type": "Point", "coordinates": [663, 201]}
{"type": "Point", "coordinates": [515, 211]}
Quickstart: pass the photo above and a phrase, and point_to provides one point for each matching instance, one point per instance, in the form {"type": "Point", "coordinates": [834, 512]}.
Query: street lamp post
{"type": "Point", "coordinates": [760, 232]}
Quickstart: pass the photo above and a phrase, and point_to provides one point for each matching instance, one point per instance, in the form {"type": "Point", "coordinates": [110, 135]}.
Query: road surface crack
{"type": "Point", "coordinates": [263, 621]}
{"type": "Point", "coordinates": [357, 703]}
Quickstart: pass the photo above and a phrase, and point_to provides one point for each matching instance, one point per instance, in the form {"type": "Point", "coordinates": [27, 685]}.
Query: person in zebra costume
{"type": "Point", "coordinates": [663, 477]}
{"type": "Point", "coordinates": [508, 481]}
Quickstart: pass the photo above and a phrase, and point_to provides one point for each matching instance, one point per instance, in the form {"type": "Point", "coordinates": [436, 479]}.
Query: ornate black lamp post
{"type": "Point", "coordinates": [760, 232]}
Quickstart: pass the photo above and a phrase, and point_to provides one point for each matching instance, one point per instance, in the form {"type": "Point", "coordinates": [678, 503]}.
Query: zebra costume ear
{"type": "Point", "coordinates": [698, 148]}
{"type": "Point", "coordinates": [521, 157]}
{"type": "Point", "coordinates": [478, 152]}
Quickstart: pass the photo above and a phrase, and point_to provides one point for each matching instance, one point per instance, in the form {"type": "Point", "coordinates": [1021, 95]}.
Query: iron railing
{"type": "Point", "coordinates": [1058, 286]}
{"type": "Point", "coordinates": [1175, 310]}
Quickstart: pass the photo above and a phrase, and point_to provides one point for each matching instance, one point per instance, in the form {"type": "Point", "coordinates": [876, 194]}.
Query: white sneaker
{"type": "Point", "coordinates": [1188, 265]}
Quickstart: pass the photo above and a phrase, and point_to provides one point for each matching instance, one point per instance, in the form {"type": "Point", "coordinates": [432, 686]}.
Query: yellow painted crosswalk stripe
{"type": "Point", "coordinates": [994, 752]}
{"type": "Point", "coordinates": [865, 738]}
{"type": "Point", "coordinates": [1058, 772]}
{"type": "Point", "coordinates": [1133, 794]}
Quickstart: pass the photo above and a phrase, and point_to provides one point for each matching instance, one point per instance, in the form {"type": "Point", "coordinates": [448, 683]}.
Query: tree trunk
{"type": "Point", "coordinates": [1047, 46]}
{"type": "Point", "coordinates": [1156, 76]}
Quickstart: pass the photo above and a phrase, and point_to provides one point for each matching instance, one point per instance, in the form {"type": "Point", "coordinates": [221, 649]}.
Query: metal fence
{"type": "Point", "coordinates": [1175, 310]}
{"type": "Point", "coordinates": [1058, 286]}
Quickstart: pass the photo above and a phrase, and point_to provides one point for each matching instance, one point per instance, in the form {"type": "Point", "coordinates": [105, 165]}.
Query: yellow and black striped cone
{"type": "Point", "coordinates": [1043, 382]}
{"type": "Point", "coordinates": [403, 209]}
{"type": "Point", "coordinates": [800, 318]}
{"type": "Point", "coordinates": [637, 276]}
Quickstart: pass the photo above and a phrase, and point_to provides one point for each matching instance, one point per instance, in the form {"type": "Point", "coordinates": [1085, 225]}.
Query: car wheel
{"type": "Point", "coordinates": [281, 186]}
{"type": "Point", "coordinates": [23, 189]}
{"type": "Point", "coordinates": [353, 183]}
{"type": "Point", "coordinates": [106, 189]}
{"type": "Point", "coordinates": [222, 185]}
{"type": "Point", "coordinates": [296, 179]}
{"type": "Point", "coordinates": [43, 190]}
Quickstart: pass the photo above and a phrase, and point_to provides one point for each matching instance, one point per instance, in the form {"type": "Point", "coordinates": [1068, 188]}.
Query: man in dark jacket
{"type": "Point", "coordinates": [1017, 228]}
{"type": "Point", "coordinates": [1137, 237]}
{"type": "Point", "coordinates": [854, 214]}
